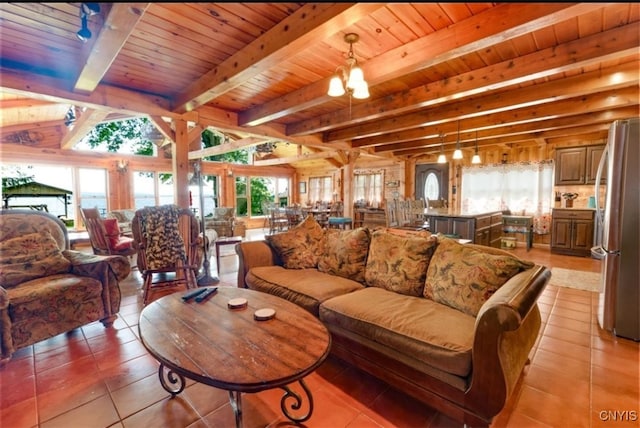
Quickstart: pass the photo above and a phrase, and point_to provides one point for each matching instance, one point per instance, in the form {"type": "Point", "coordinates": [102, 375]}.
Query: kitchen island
{"type": "Point", "coordinates": [481, 228]}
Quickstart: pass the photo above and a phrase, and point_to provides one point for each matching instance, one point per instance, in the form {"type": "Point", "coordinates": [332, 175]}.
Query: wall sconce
{"type": "Point", "coordinates": [122, 166]}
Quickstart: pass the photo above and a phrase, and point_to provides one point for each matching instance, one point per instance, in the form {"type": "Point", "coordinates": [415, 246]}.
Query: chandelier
{"type": "Point", "coordinates": [349, 78]}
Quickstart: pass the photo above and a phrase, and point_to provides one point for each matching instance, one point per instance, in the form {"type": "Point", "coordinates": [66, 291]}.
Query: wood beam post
{"type": "Point", "coordinates": [180, 163]}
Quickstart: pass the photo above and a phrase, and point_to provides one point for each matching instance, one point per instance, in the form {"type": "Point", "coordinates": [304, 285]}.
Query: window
{"type": "Point", "coordinates": [241, 196]}
{"type": "Point", "coordinates": [209, 191]}
{"type": "Point", "coordinates": [524, 188]}
{"type": "Point", "coordinates": [152, 188]}
{"type": "Point", "coordinates": [320, 189]}
{"type": "Point", "coordinates": [92, 184]}
{"type": "Point", "coordinates": [368, 187]}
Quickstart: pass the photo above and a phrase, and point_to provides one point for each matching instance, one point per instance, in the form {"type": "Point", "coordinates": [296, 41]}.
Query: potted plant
{"type": "Point", "coordinates": [569, 197]}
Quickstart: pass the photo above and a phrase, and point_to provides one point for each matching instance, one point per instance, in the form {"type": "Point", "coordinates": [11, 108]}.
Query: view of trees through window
{"type": "Point", "coordinates": [88, 186]}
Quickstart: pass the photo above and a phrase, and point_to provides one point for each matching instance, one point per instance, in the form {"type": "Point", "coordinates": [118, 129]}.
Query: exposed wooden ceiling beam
{"type": "Point", "coordinates": [503, 22]}
{"type": "Point", "coordinates": [293, 159]}
{"type": "Point", "coordinates": [504, 101]}
{"type": "Point", "coordinates": [120, 22]}
{"type": "Point", "coordinates": [226, 148]}
{"type": "Point", "coordinates": [285, 39]}
{"type": "Point", "coordinates": [82, 126]}
{"type": "Point", "coordinates": [529, 128]}
{"type": "Point", "coordinates": [572, 55]}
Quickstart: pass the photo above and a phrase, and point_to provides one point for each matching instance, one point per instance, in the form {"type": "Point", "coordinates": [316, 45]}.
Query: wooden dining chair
{"type": "Point", "coordinates": [169, 247]}
{"type": "Point", "coordinates": [105, 235]}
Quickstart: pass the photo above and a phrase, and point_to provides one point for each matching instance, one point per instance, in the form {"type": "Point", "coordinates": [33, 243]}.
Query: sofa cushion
{"type": "Point", "coordinates": [30, 256]}
{"type": "Point", "coordinates": [424, 331]}
{"type": "Point", "coordinates": [464, 277]}
{"type": "Point", "coordinates": [345, 253]}
{"type": "Point", "coordinates": [306, 288]}
{"type": "Point", "coordinates": [398, 263]}
{"type": "Point", "coordinates": [299, 247]}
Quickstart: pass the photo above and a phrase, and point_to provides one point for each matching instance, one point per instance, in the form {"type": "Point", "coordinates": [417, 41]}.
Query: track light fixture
{"type": "Point", "coordinates": [349, 79]}
{"type": "Point", "coordinates": [86, 10]}
{"type": "Point", "coordinates": [457, 154]}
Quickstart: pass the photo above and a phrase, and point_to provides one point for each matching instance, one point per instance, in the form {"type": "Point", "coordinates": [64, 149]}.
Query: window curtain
{"type": "Point", "coordinates": [524, 188]}
{"type": "Point", "coordinates": [320, 189]}
{"type": "Point", "coordinates": [368, 188]}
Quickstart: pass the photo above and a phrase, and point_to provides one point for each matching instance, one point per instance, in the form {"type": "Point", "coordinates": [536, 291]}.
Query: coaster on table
{"type": "Point", "coordinates": [264, 314]}
{"type": "Point", "coordinates": [238, 303]}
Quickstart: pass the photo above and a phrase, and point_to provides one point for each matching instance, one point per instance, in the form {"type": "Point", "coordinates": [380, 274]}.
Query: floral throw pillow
{"type": "Point", "coordinates": [30, 256]}
{"type": "Point", "coordinates": [301, 246]}
{"type": "Point", "coordinates": [398, 263]}
{"type": "Point", "coordinates": [464, 277]}
{"type": "Point", "coordinates": [345, 253]}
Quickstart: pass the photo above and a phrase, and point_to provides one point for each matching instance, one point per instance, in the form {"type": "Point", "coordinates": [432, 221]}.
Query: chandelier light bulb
{"type": "Point", "coordinates": [335, 87]}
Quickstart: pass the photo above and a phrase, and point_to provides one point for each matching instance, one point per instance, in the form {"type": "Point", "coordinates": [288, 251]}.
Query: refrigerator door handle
{"type": "Point", "coordinates": [599, 214]}
{"type": "Point", "coordinates": [598, 252]}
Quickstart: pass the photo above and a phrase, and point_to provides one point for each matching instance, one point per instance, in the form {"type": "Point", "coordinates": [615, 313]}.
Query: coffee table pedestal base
{"type": "Point", "coordinates": [171, 381]}
{"type": "Point", "coordinates": [235, 398]}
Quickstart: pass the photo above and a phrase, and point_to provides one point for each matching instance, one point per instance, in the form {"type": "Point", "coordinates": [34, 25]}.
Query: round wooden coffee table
{"type": "Point", "coordinates": [229, 349]}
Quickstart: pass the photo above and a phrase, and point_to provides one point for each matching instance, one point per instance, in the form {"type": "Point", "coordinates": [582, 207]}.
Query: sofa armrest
{"type": "Point", "coordinates": [252, 254]}
{"type": "Point", "coordinates": [506, 329]}
{"type": "Point", "coordinates": [110, 270]}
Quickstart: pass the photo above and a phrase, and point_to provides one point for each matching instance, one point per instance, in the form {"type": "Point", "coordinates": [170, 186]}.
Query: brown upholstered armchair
{"type": "Point", "coordinates": [223, 221]}
{"type": "Point", "coordinates": [46, 288]}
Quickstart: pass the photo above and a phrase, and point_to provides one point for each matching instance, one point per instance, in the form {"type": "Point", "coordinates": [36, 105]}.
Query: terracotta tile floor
{"type": "Point", "coordinates": [96, 377]}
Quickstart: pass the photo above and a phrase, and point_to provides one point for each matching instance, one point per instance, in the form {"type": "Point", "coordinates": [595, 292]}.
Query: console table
{"type": "Point", "coordinates": [519, 224]}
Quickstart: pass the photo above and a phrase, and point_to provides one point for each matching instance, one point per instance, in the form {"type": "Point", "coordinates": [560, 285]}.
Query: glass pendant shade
{"type": "Point", "coordinates": [335, 87]}
{"type": "Point", "coordinates": [457, 154]}
{"type": "Point", "coordinates": [442, 158]}
{"type": "Point", "coordinates": [361, 91]}
{"type": "Point", "coordinates": [356, 78]}
{"type": "Point", "coordinates": [476, 158]}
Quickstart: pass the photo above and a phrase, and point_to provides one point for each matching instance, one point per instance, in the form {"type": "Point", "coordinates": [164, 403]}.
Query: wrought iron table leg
{"type": "Point", "coordinates": [297, 402]}
{"type": "Point", "coordinates": [171, 381]}
{"type": "Point", "coordinates": [236, 404]}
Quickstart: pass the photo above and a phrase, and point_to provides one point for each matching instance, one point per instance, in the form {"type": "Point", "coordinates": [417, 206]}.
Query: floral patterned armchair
{"type": "Point", "coordinates": [47, 289]}
{"type": "Point", "coordinates": [223, 221]}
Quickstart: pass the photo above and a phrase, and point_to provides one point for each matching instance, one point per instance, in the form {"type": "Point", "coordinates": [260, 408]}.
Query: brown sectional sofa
{"type": "Point", "coordinates": [450, 324]}
{"type": "Point", "coordinates": [46, 288]}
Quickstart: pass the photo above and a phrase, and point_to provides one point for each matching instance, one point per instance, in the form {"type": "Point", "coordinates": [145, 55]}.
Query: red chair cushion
{"type": "Point", "coordinates": [116, 241]}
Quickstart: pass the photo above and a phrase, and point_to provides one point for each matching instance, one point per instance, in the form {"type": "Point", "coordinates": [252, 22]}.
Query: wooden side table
{"type": "Point", "coordinates": [225, 240]}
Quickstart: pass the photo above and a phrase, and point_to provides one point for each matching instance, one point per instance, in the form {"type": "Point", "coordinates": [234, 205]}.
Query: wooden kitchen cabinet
{"type": "Point", "coordinates": [577, 165]}
{"type": "Point", "coordinates": [572, 231]}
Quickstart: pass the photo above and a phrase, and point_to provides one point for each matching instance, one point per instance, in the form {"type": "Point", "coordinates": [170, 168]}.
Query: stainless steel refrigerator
{"type": "Point", "coordinates": [618, 214]}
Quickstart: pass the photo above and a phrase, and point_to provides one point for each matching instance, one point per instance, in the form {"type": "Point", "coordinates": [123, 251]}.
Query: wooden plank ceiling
{"type": "Point", "coordinates": [508, 74]}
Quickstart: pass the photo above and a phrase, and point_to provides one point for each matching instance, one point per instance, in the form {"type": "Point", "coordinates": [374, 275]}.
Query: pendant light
{"type": "Point", "coordinates": [442, 158]}
{"type": "Point", "coordinates": [349, 78]}
{"type": "Point", "coordinates": [476, 157]}
{"type": "Point", "coordinates": [457, 154]}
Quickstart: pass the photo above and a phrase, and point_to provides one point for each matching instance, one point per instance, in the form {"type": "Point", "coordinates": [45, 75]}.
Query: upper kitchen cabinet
{"type": "Point", "coordinates": [578, 165]}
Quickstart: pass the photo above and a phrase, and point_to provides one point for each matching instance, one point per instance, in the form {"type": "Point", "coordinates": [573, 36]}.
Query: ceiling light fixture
{"type": "Point", "coordinates": [476, 157]}
{"type": "Point", "coordinates": [457, 154]}
{"type": "Point", "coordinates": [442, 158]}
{"type": "Point", "coordinates": [86, 10]}
{"type": "Point", "coordinates": [349, 79]}
{"type": "Point", "coordinates": [70, 116]}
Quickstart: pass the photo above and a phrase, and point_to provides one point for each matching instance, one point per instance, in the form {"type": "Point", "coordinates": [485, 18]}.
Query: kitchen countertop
{"type": "Point", "coordinates": [451, 212]}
